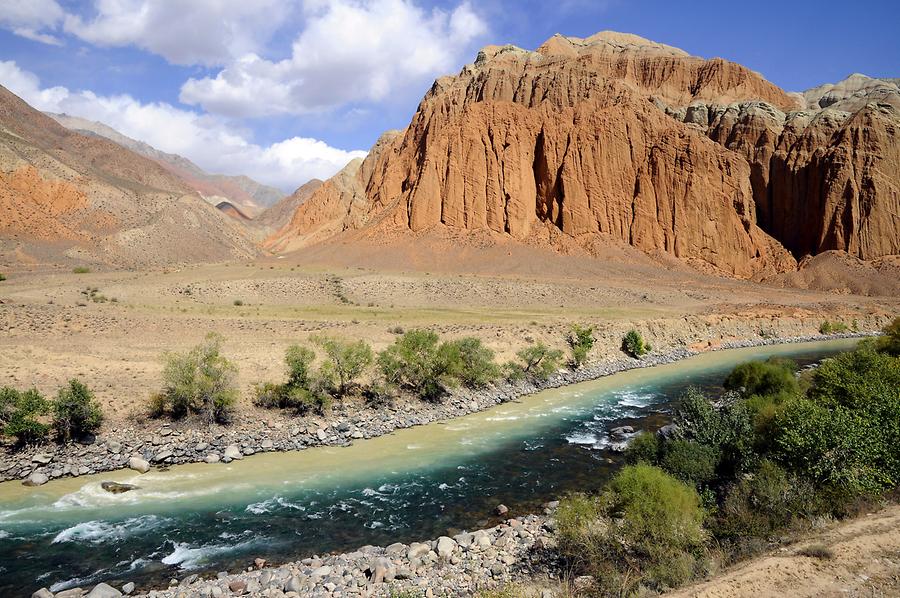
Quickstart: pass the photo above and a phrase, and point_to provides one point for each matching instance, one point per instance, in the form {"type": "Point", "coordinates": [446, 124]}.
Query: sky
{"type": "Point", "coordinates": [287, 90]}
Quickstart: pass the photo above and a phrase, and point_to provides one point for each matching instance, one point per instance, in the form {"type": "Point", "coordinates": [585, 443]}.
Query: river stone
{"type": "Point", "coordinates": [201, 446]}
{"type": "Point", "coordinates": [238, 586]}
{"type": "Point", "coordinates": [481, 538]}
{"type": "Point", "coordinates": [114, 446]}
{"type": "Point", "coordinates": [445, 547]}
{"type": "Point", "coordinates": [42, 458]}
{"type": "Point", "coordinates": [162, 456]}
{"type": "Point", "coordinates": [267, 443]}
{"type": "Point", "coordinates": [395, 550]}
{"type": "Point", "coordinates": [417, 550]}
{"type": "Point", "coordinates": [294, 585]}
{"type": "Point", "coordinates": [323, 571]}
{"type": "Point", "coordinates": [501, 509]}
{"type": "Point", "coordinates": [42, 593]}
{"type": "Point", "coordinates": [321, 435]}
{"type": "Point", "coordinates": [128, 588]}
{"type": "Point", "coordinates": [233, 452]}
{"type": "Point", "coordinates": [212, 458]}
{"type": "Point", "coordinates": [102, 590]}
{"type": "Point", "coordinates": [138, 464]}
{"type": "Point", "coordinates": [117, 487]}
{"type": "Point", "coordinates": [36, 479]}
{"type": "Point", "coordinates": [71, 593]}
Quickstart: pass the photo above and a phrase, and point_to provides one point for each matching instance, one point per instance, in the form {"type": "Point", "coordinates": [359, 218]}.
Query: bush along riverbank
{"type": "Point", "coordinates": [162, 443]}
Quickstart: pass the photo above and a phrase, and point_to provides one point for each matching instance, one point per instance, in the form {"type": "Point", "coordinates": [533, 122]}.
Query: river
{"type": "Point", "coordinates": [414, 484]}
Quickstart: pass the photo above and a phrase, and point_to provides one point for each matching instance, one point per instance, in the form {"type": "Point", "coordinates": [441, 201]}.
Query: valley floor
{"type": "Point", "coordinates": [109, 329]}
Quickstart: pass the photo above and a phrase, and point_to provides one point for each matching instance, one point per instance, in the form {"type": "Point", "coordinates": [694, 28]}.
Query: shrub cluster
{"type": "Point", "coordinates": [536, 361]}
{"type": "Point", "coordinates": [633, 344]}
{"type": "Point", "coordinates": [29, 417]}
{"type": "Point", "coordinates": [774, 452]}
{"type": "Point", "coordinates": [832, 327]}
{"type": "Point", "coordinates": [581, 341]}
{"type": "Point", "coordinates": [198, 382]}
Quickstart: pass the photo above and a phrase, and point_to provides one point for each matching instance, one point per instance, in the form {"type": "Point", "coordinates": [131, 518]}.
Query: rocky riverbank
{"type": "Point", "coordinates": [170, 444]}
{"type": "Point", "coordinates": [518, 549]}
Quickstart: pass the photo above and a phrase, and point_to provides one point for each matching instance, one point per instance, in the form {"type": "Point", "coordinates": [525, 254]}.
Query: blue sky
{"type": "Point", "coordinates": [283, 90]}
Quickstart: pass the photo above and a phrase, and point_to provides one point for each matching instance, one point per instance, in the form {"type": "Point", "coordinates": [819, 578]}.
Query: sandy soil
{"type": "Point", "coordinates": [865, 562]}
{"type": "Point", "coordinates": [50, 330]}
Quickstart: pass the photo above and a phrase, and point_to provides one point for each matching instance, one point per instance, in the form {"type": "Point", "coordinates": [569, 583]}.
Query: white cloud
{"type": "Point", "coordinates": [349, 51]}
{"type": "Point", "coordinates": [186, 32]}
{"type": "Point", "coordinates": [207, 140]}
{"type": "Point", "coordinates": [28, 18]}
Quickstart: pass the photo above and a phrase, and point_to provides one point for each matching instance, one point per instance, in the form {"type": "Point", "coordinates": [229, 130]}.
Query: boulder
{"type": "Point", "coordinates": [238, 586]}
{"type": "Point", "coordinates": [42, 458]}
{"type": "Point", "coordinates": [233, 452]}
{"type": "Point", "coordinates": [42, 593]}
{"type": "Point", "coordinates": [36, 479]}
{"type": "Point", "coordinates": [128, 588]}
{"type": "Point", "coordinates": [445, 547]}
{"type": "Point", "coordinates": [102, 590]}
{"type": "Point", "coordinates": [117, 487]}
{"type": "Point", "coordinates": [417, 550]}
{"type": "Point", "coordinates": [70, 593]}
{"type": "Point", "coordinates": [212, 458]}
{"type": "Point", "coordinates": [294, 585]}
{"type": "Point", "coordinates": [138, 464]}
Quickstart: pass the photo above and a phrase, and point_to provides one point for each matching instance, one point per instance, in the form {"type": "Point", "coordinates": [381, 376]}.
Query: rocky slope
{"type": "Point", "coordinates": [614, 138]}
{"type": "Point", "coordinates": [279, 214]}
{"type": "Point", "coordinates": [247, 195]}
{"type": "Point", "coordinates": [67, 195]}
{"type": "Point", "coordinates": [826, 177]}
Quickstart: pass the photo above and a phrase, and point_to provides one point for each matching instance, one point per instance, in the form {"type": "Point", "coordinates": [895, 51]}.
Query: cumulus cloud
{"type": "Point", "coordinates": [31, 18]}
{"type": "Point", "coordinates": [348, 51]}
{"type": "Point", "coordinates": [205, 32]}
{"type": "Point", "coordinates": [214, 144]}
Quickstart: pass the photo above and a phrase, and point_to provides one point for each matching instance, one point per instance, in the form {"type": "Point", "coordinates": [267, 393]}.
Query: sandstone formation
{"type": "Point", "coordinates": [823, 178]}
{"type": "Point", "coordinates": [617, 139]}
{"type": "Point", "coordinates": [68, 195]}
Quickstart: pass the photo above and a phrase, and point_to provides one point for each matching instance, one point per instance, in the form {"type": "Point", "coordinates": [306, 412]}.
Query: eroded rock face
{"type": "Point", "coordinates": [823, 179]}
{"type": "Point", "coordinates": [618, 138]}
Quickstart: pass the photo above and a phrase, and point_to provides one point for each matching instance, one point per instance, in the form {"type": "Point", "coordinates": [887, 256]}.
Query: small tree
{"type": "Point", "coordinates": [537, 361]}
{"type": "Point", "coordinates": [633, 344]}
{"type": "Point", "coordinates": [890, 342]}
{"type": "Point", "coordinates": [581, 341]}
{"type": "Point", "coordinates": [20, 413]}
{"type": "Point", "coordinates": [346, 361]}
{"type": "Point", "coordinates": [418, 362]}
{"type": "Point", "coordinates": [76, 412]}
{"type": "Point", "coordinates": [475, 365]}
{"type": "Point", "coordinates": [299, 363]}
{"type": "Point", "coordinates": [200, 381]}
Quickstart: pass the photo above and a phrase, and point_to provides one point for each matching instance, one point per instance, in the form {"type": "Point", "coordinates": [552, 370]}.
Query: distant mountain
{"type": "Point", "coordinates": [67, 195]}
{"type": "Point", "coordinates": [611, 139]}
{"type": "Point", "coordinates": [281, 213]}
{"type": "Point", "coordinates": [250, 196]}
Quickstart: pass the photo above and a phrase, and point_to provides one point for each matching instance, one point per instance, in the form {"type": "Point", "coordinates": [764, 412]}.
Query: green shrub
{"type": "Point", "coordinates": [81, 270]}
{"type": "Point", "coordinates": [299, 362]}
{"type": "Point", "coordinates": [2, 276]}
{"type": "Point", "coordinates": [238, 302]}
{"type": "Point", "coordinates": [646, 528]}
{"type": "Point", "coordinates": [726, 427]}
{"type": "Point", "coordinates": [536, 361]}
{"type": "Point", "coordinates": [473, 363]}
{"type": "Point", "coordinates": [690, 462]}
{"type": "Point", "coordinates": [633, 344]}
{"type": "Point", "coordinates": [76, 412]}
{"type": "Point", "coordinates": [764, 503]}
{"type": "Point", "coordinates": [581, 341]}
{"type": "Point", "coordinates": [643, 448]}
{"type": "Point", "coordinates": [20, 413]}
{"type": "Point", "coordinates": [201, 382]}
{"type": "Point", "coordinates": [771, 377]}
{"type": "Point", "coordinates": [832, 327]}
{"type": "Point", "coordinates": [345, 362]}
{"type": "Point", "coordinates": [419, 363]}
{"type": "Point", "coordinates": [890, 342]}
{"type": "Point", "coordinates": [846, 433]}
